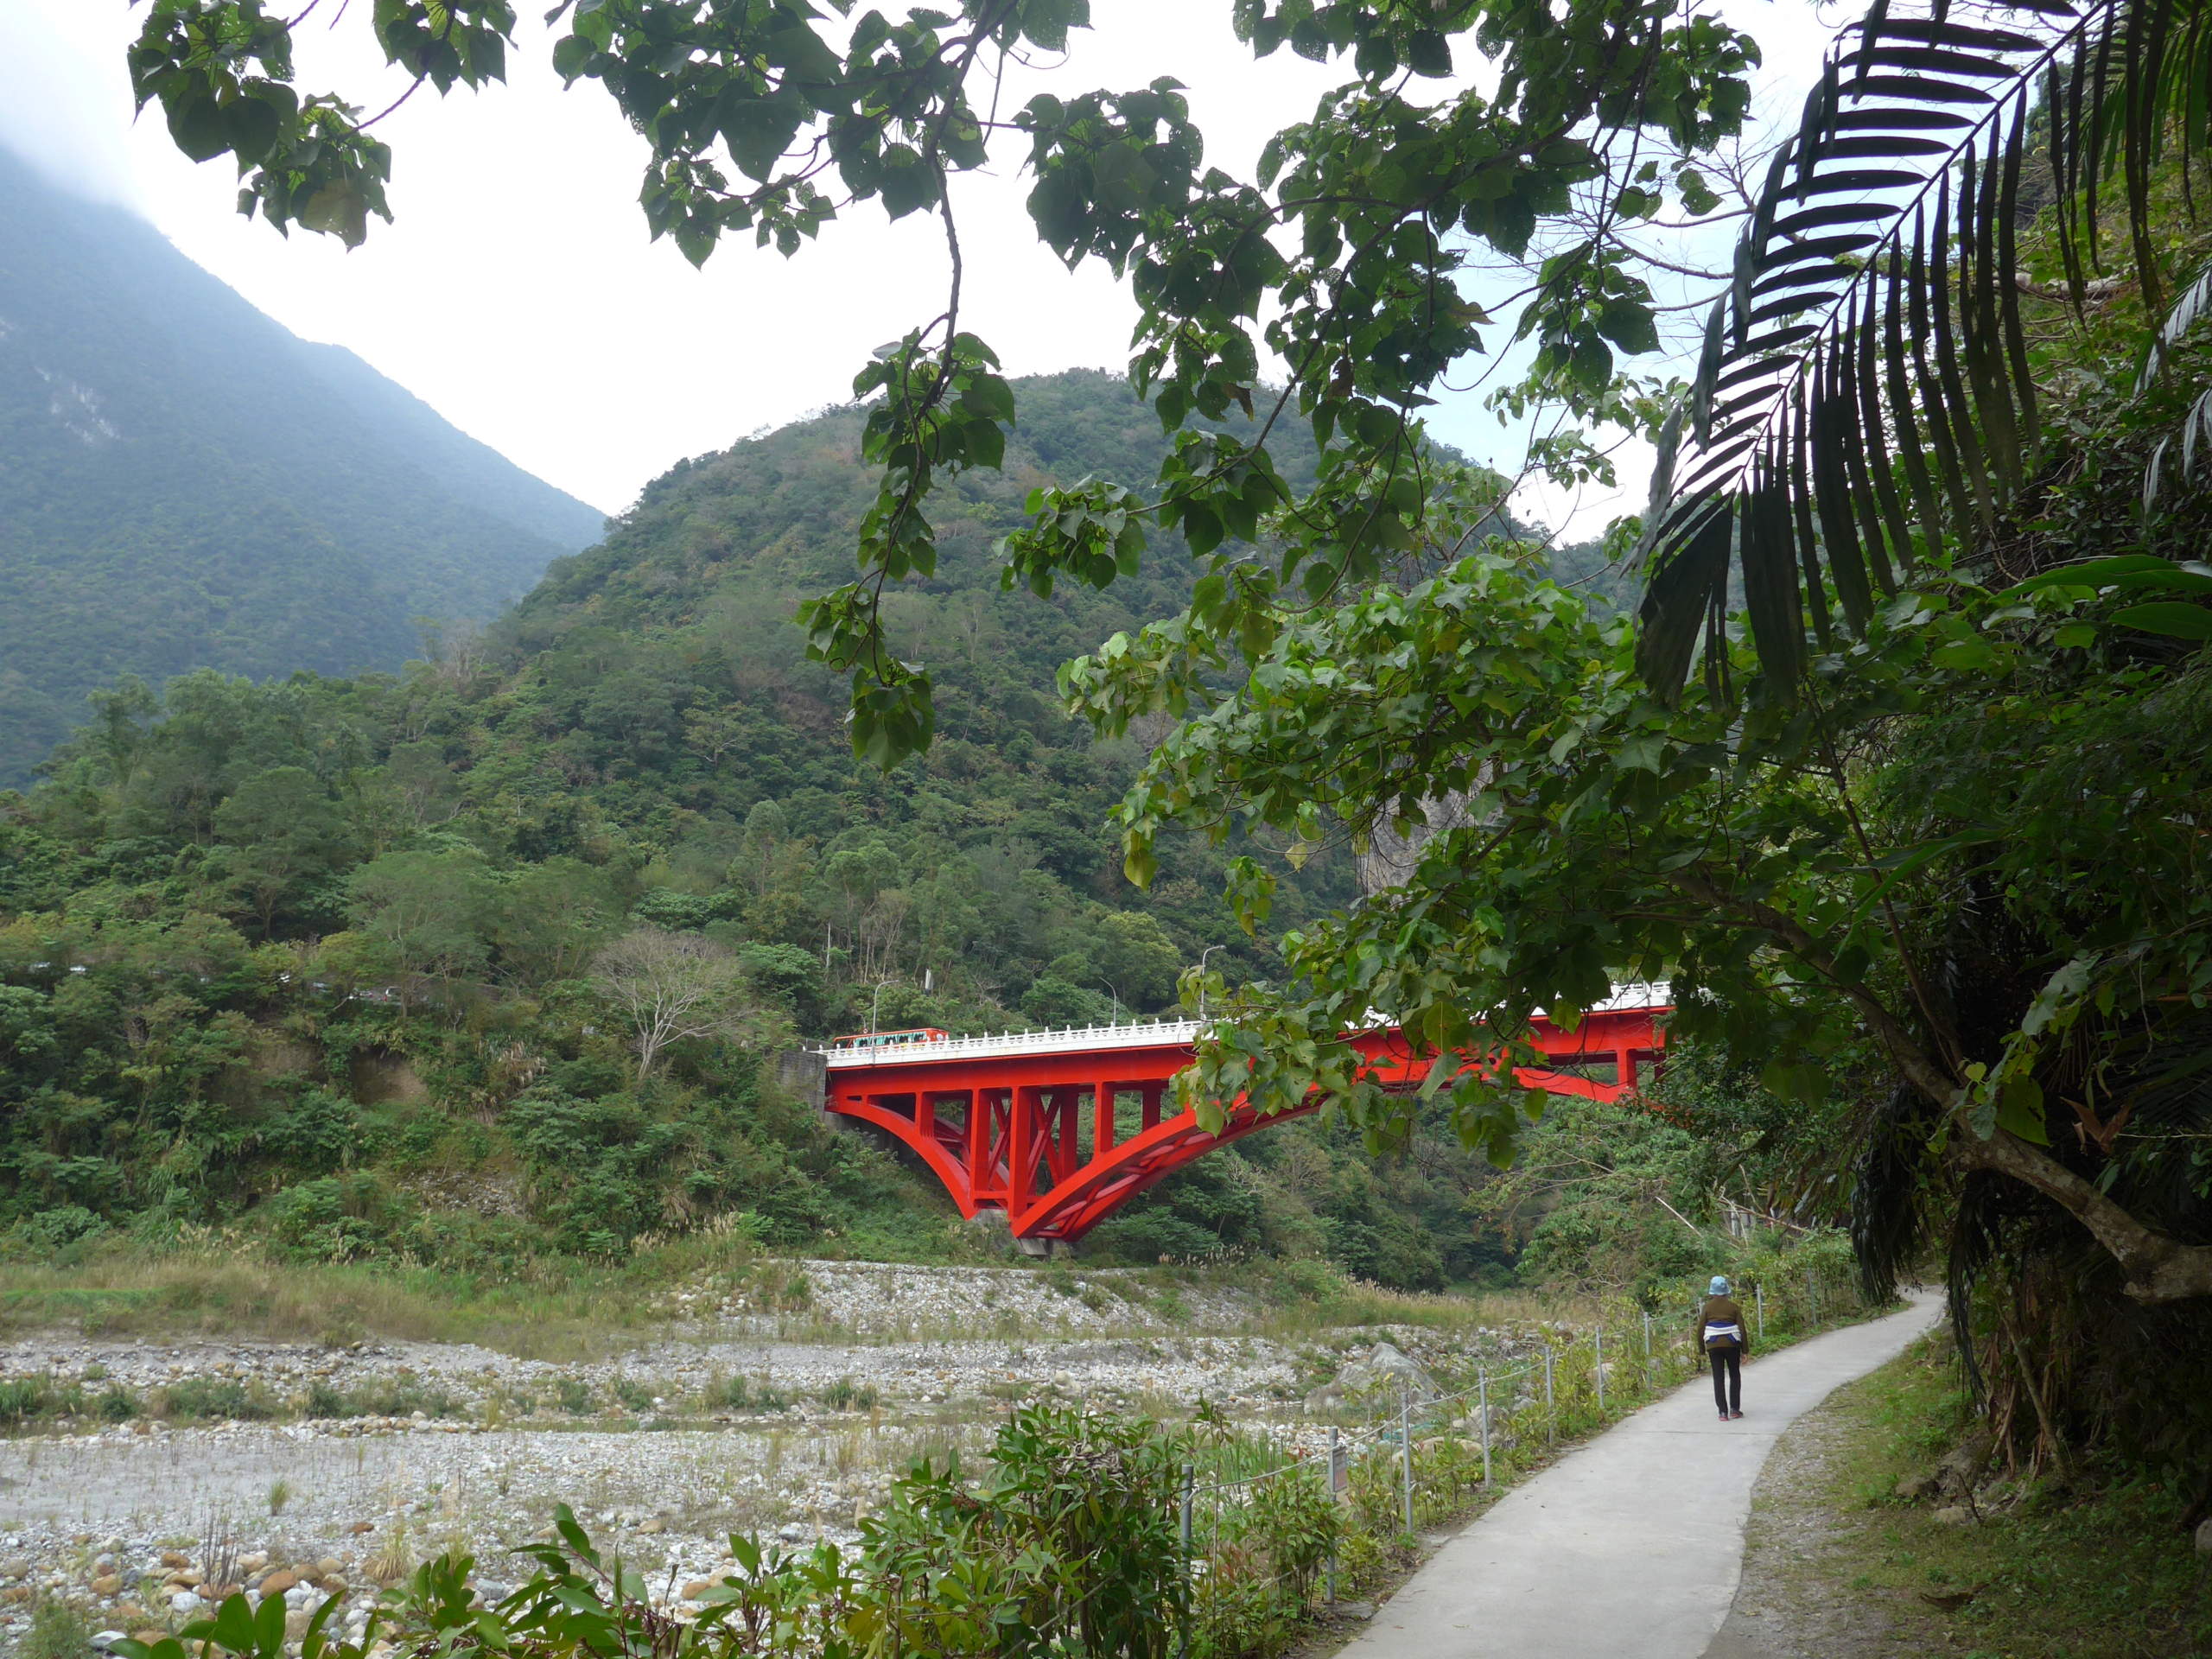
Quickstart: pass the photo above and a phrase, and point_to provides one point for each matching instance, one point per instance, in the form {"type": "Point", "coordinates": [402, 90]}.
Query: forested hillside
{"type": "Point", "coordinates": [187, 485]}
{"type": "Point", "coordinates": [353, 962]}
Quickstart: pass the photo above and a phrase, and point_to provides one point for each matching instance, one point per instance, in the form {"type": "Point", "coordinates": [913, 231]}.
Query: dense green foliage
{"type": "Point", "coordinates": [188, 485]}
{"type": "Point", "coordinates": [1066, 1546]}
{"type": "Point", "coordinates": [340, 958]}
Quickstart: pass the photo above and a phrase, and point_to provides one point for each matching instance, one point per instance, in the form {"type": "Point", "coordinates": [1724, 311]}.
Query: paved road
{"type": "Point", "coordinates": [1631, 1546]}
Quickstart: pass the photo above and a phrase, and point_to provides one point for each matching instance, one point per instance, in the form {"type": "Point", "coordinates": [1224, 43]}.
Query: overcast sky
{"type": "Point", "coordinates": [518, 293]}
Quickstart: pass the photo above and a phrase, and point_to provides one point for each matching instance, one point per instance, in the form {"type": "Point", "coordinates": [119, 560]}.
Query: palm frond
{"type": "Point", "coordinates": [2195, 427]}
{"type": "Point", "coordinates": [1864, 390]}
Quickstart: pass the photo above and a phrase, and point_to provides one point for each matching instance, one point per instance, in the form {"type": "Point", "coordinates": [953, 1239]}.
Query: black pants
{"type": "Point", "coordinates": [1727, 1377]}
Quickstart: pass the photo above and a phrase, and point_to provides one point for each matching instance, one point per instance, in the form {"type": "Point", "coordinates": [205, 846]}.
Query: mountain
{"type": "Point", "coordinates": [185, 484]}
{"type": "Point", "coordinates": [341, 939]}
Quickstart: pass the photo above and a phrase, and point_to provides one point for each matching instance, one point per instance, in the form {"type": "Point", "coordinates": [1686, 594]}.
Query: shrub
{"type": "Point", "coordinates": [216, 1398]}
{"type": "Point", "coordinates": [26, 1399]}
{"type": "Point", "coordinates": [845, 1395]}
{"type": "Point", "coordinates": [57, 1631]}
{"type": "Point", "coordinates": [737, 1394]}
{"type": "Point", "coordinates": [574, 1394]}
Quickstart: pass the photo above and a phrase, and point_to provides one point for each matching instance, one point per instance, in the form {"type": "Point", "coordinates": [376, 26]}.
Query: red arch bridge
{"type": "Point", "coordinates": [1059, 1128]}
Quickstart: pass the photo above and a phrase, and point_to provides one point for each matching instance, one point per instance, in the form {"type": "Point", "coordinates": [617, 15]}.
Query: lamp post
{"type": "Point", "coordinates": [875, 1002]}
{"type": "Point", "coordinates": [1203, 955]}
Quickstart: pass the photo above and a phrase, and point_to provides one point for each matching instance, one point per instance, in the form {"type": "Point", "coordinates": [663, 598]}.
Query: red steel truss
{"type": "Point", "coordinates": [1059, 1129]}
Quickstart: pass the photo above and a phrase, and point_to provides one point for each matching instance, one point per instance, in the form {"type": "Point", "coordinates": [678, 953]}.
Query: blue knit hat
{"type": "Point", "coordinates": [1719, 1285]}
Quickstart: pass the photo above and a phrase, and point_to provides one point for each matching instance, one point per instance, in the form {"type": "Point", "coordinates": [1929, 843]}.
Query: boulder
{"type": "Point", "coordinates": [1952, 1515]}
{"type": "Point", "coordinates": [107, 1584]}
{"type": "Point", "coordinates": [1387, 1366]}
{"type": "Point", "coordinates": [278, 1582]}
{"type": "Point", "coordinates": [2204, 1537]}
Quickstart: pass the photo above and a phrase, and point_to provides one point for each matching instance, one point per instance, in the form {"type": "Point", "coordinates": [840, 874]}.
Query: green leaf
{"type": "Point", "coordinates": [2174, 618]}
{"type": "Point", "coordinates": [2020, 1110]}
{"type": "Point", "coordinates": [199, 128]}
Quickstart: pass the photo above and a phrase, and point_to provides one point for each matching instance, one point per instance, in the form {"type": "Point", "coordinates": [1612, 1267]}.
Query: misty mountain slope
{"type": "Point", "coordinates": [185, 484]}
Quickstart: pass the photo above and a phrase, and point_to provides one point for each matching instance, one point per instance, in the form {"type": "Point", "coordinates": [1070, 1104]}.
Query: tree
{"type": "Point", "coordinates": [1873, 387]}
{"type": "Point", "coordinates": [673, 986]}
{"type": "Point", "coordinates": [433, 909]}
{"type": "Point", "coordinates": [1360, 240]}
{"type": "Point", "coordinates": [280, 833]}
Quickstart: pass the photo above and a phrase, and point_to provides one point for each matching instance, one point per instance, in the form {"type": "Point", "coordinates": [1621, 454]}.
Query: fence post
{"type": "Point", "coordinates": [1647, 1337]}
{"type": "Point", "coordinates": [1812, 1300]}
{"type": "Point", "coordinates": [1551, 1405]}
{"type": "Point", "coordinates": [1482, 1385]}
{"type": "Point", "coordinates": [1333, 1498]}
{"type": "Point", "coordinates": [1758, 1295]}
{"type": "Point", "coordinates": [1598, 1365]}
{"type": "Point", "coordinates": [1189, 1493]}
{"type": "Point", "coordinates": [1405, 1450]}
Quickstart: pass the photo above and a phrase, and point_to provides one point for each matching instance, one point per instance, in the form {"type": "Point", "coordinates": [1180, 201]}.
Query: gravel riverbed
{"type": "Point", "coordinates": [141, 1522]}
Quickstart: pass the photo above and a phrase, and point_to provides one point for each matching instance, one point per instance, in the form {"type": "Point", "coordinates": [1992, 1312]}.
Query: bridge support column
{"type": "Point", "coordinates": [1101, 1119]}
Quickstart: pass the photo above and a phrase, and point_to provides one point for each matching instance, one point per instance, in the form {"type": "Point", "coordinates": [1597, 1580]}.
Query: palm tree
{"type": "Point", "coordinates": [1864, 391]}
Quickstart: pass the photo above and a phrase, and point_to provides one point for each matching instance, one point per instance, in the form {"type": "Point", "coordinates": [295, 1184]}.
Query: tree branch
{"type": "Point", "coordinates": [2159, 1269]}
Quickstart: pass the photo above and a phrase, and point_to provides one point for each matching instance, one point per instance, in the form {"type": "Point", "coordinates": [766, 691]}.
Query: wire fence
{"type": "Point", "coordinates": [1274, 1534]}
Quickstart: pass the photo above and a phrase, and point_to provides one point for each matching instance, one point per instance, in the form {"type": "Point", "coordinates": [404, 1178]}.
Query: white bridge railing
{"type": "Point", "coordinates": [1073, 1039]}
{"type": "Point", "coordinates": [1146, 1034]}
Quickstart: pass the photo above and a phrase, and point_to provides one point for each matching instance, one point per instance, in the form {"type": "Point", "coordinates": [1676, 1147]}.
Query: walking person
{"type": "Point", "coordinates": [1720, 1332]}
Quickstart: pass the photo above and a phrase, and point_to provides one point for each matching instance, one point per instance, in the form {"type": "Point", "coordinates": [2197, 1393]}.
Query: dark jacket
{"type": "Point", "coordinates": [1720, 1310]}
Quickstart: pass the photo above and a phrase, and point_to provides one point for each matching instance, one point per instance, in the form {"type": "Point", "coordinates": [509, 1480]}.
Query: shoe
{"type": "Point", "coordinates": [1735, 1413]}
{"type": "Point", "coordinates": [1723, 1416]}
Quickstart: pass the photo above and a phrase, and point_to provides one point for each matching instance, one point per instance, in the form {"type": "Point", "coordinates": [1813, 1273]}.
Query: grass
{"type": "Point", "coordinates": [2100, 1571]}
{"type": "Point", "coordinates": [540, 1308]}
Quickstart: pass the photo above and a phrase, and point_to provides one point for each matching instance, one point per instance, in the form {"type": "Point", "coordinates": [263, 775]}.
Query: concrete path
{"type": "Point", "coordinates": [1631, 1546]}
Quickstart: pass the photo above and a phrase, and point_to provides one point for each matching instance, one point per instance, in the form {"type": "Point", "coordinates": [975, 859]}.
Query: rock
{"type": "Point", "coordinates": [278, 1582]}
{"type": "Point", "coordinates": [190, 1577]}
{"type": "Point", "coordinates": [1962, 1467]}
{"type": "Point", "coordinates": [107, 1584]}
{"type": "Point", "coordinates": [252, 1563]}
{"type": "Point", "coordinates": [1353, 1609]}
{"type": "Point", "coordinates": [696, 1588]}
{"type": "Point", "coordinates": [1386, 1364]}
{"type": "Point", "coordinates": [184, 1602]}
{"type": "Point", "coordinates": [1952, 1515]}
{"type": "Point", "coordinates": [174, 1558]}
{"type": "Point", "coordinates": [1916, 1489]}
{"type": "Point", "coordinates": [652, 1523]}
{"type": "Point", "coordinates": [360, 1526]}
{"type": "Point", "coordinates": [106, 1640]}
{"type": "Point", "coordinates": [296, 1623]}
{"type": "Point", "coordinates": [149, 1636]}
{"type": "Point", "coordinates": [329, 1567]}
{"type": "Point", "coordinates": [2204, 1537]}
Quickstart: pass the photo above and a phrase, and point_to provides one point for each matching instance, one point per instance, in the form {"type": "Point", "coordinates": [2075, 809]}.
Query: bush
{"type": "Point", "coordinates": [737, 1394]}
{"type": "Point", "coordinates": [215, 1399]}
{"type": "Point", "coordinates": [57, 1631]}
{"type": "Point", "coordinates": [845, 1395]}
{"type": "Point", "coordinates": [26, 1400]}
